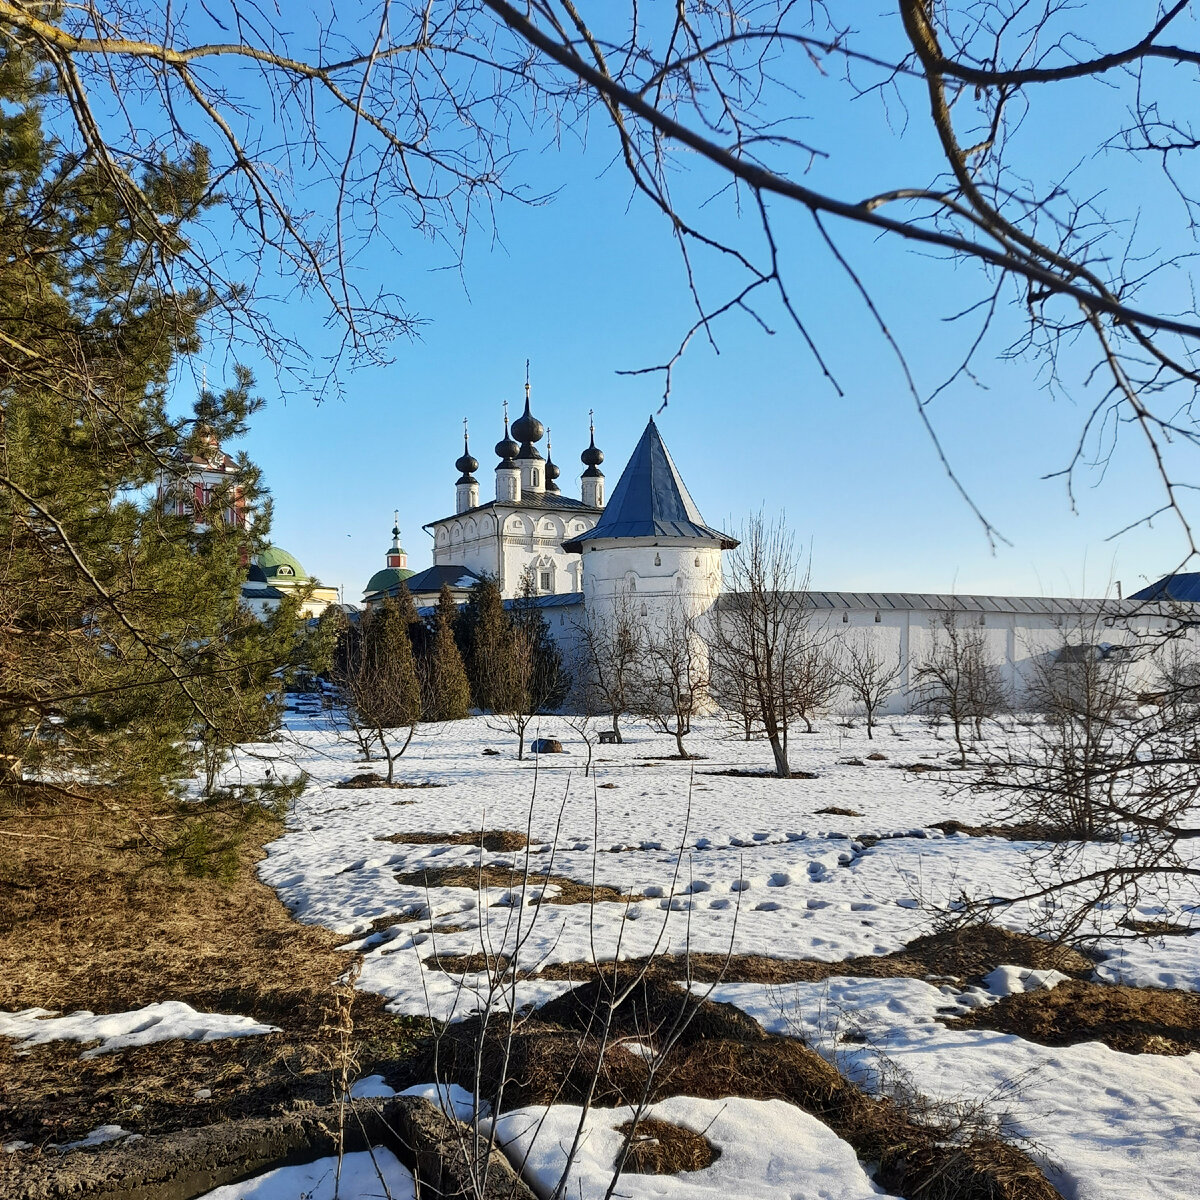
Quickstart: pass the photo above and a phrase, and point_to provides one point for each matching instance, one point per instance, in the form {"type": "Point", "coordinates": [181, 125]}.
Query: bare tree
{"type": "Point", "coordinates": [673, 685]}
{"type": "Point", "coordinates": [762, 637]}
{"type": "Point", "coordinates": [869, 675]}
{"type": "Point", "coordinates": [816, 675]}
{"type": "Point", "coordinates": [957, 677]}
{"type": "Point", "coordinates": [403, 112]}
{"type": "Point", "coordinates": [610, 645]}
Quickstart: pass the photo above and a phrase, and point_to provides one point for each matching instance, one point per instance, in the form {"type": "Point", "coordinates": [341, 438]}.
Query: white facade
{"type": "Point", "coordinates": [506, 540]}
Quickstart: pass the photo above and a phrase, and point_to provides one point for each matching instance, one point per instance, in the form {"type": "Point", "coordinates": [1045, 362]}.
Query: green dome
{"type": "Point", "coordinates": [279, 564]}
{"type": "Point", "coordinates": [387, 578]}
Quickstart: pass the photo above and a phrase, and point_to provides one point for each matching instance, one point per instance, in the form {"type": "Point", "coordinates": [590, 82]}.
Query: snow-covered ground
{"type": "Point", "coordinates": [745, 863]}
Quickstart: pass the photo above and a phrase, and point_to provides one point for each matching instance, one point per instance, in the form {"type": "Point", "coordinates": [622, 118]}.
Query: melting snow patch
{"type": "Point", "coordinates": [376, 1175]}
{"type": "Point", "coordinates": [120, 1031]}
{"type": "Point", "coordinates": [454, 1101]}
{"type": "Point", "coordinates": [100, 1136]}
{"type": "Point", "coordinates": [1012, 981]}
{"type": "Point", "coordinates": [768, 1148]}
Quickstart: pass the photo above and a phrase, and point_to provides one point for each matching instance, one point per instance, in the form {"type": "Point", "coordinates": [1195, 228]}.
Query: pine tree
{"type": "Point", "coordinates": [384, 688]}
{"type": "Point", "coordinates": [447, 691]}
{"type": "Point", "coordinates": [491, 658]}
{"type": "Point", "coordinates": [124, 651]}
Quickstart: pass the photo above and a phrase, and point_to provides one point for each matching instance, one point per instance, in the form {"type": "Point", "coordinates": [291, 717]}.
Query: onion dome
{"type": "Point", "coordinates": [552, 471]}
{"type": "Point", "coordinates": [467, 463]}
{"type": "Point", "coordinates": [527, 427]}
{"type": "Point", "coordinates": [506, 448]}
{"type": "Point", "coordinates": [593, 456]}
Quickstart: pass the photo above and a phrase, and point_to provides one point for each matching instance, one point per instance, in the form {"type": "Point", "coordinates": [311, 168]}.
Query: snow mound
{"type": "Point", "coordinates": [120, 1031]}
{"type": "Point", "coordinates": [767, 1148]}
{"type": "Point", "coordinates": [1013, 981]}
{"type": "Point", "coordinates": [366, 1175]}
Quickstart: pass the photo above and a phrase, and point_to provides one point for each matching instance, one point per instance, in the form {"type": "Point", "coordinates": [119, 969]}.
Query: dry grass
{"type": "Point", "coordinates": [834, 811]}
{"type": "Point", "coordinates": [966, 954]}
{"type": "Point", "coordinates": [570, 891]}
{"type": "Point", "coordinates": [1026, 831]}
{"type": "Point", "coordinates": [91, 918]}
{"type": "Point", "coordinates": [710, 1051]}
{"type": "Point", "coordinates": [368, 779]}
{"type": "Point", "coordinates": [660, 1148]}
{"type": "Point", "coordinates": [495, 841]}
{"type": "Point", "coordinates": [1133, 1020]}
{"type": "Point", "coordinates": [745, 773]}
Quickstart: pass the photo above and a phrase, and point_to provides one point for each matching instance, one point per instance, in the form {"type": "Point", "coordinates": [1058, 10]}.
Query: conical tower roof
{"type": "Point", "coordinates": [651, 501]}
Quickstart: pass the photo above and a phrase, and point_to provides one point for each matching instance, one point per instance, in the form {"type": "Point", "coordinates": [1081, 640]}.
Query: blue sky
{"type": "Point", "coordinates": [590, 284]}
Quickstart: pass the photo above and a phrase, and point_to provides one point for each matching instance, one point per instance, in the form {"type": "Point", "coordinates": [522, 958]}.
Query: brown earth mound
{"type": "Point", "coordinates": [965, 954]}
{"type": "Point", "coordinates": [495, 841]}
{"type": "Point", "coordinates": [660, 1148]}
{"type": "Point", "coordinates": [834, 811]}
{"type": "Point", "coordinates": [1133, 1020]}
{"type": "Point", "coordinates": [561, 1054]}
{"type": "Point", "coordinates": [742, 773]}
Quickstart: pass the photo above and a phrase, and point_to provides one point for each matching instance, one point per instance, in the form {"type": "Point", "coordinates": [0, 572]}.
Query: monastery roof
{"type": "Point", "coordinates": [530, 500]}
{"type": "Point", "coordinates": [388, 577]}
{"type": "Point", "coordinates": [1184, 587]}
{"type": "Point", "coordinates": [431, 580]}
{"type": "Point", "coordinates": [277, 563]}
{"type": "Point", "coordinates": [945, 602]}
{"type": "Point", "coordinates": [650, 501]}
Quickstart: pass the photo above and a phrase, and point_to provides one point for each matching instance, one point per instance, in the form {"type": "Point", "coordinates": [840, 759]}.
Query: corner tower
{"type": "Point", "coordinates": [652, 543]}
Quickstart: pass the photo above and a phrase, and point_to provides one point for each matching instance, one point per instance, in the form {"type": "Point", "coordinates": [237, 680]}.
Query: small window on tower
{"type": "Point", "coordinates": [697, 560]}
{"type": "Point", "coordinates": [845, 618]}
{"type": "Point", "coordinates": [878, 618]}
{"type": "Point", "coordinates": [535, 478]}
{"type": "Point", "coordinates": [658, 560]}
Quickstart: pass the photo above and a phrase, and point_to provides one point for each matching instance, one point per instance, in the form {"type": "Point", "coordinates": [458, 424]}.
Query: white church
{"type": "Point", "coordinates": [650, 543]}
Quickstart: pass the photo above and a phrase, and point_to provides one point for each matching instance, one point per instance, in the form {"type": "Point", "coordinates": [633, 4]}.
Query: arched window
{"type": "Point", "coordinates": [697, 560]}
{"type": "Point", "coordinates": [534, 477]}
{"type": "Point", "coordinates": [878, 618]}
{"type": "Point", "coordinates": [658, 560]}
{"type": "Point", "coordinates": [845, 618]}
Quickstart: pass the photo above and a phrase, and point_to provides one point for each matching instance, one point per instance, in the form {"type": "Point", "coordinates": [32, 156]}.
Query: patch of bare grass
{"type": "Point", "coordinates": [1129, 1019]}
{"type": "Point", "coordinates": [570, 891]}
{"type": "Point", "coordinates": [965, 954]}
{"type": "Point", "coordinates": [834, 811]}
{"type": "Point", "coordinates": [710, 1051]}
{"type": "Point", "coordinates": [1025, 831]}
{"type": "Point", "coordinates": [746, 773]}
{"type": "Point", "coordinates": [99, 922]}
{"type": "Point", "coordinates": [660, 1148]}
{"type": "Point", "coordinates": [368, 779]}
{"type": "Point", "coordinates": [495, 841]}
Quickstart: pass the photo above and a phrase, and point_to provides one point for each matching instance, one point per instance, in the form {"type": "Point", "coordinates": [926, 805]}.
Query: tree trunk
{"type": "Point", "coordinates": [520, 742]}
{"type": "Point", "coordinates": [782, 769]}
{"type": "Point", "coordinates": [617, 729]}
{"type": "Point", "coordinates": [870, 725]}
{"type": "Point", "coordinates": [679, 739]}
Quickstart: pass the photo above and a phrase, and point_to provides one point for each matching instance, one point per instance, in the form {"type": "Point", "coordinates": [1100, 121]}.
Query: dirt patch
{"type": "Point", "coordinates": [967, 955]}
{"type": "Point", "coordinates": [1133, 1020]}
{"type": "Point", "coordinates": [740, 773]}
{"type": "Point", "coordinates": [369, 780]}
{"type": "Point", "coordinates": [570, 891]}
{"type": "Point", "coordinates": [834, 811]}
{"type": "Point", "coordinates": [706, 1050]}
{"type": "Point", "coordinates": [92, 918]}
{"type": "Point", "coordinates": [495, 841]}
{"type": "Point", "coordinates": [851, 762]}
{"type": "Point", "coordinates": [878, 756]}
{"type": "Point", "coordinates": [919, 768]}
{"type": "Point", "coordinates": [660, 1148]}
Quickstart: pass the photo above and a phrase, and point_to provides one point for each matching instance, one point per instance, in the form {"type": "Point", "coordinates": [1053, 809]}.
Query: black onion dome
{"type": "Point", "coordinates": [527, 428]}
{"type": "Point", "coordinates": [552, 471]}
{"type": "Point", "coordinates": [506, 448]}
{"type": "Point", "coordinates": [467, 463]}
{"type": "Point", "coordinates": [592, 457]}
